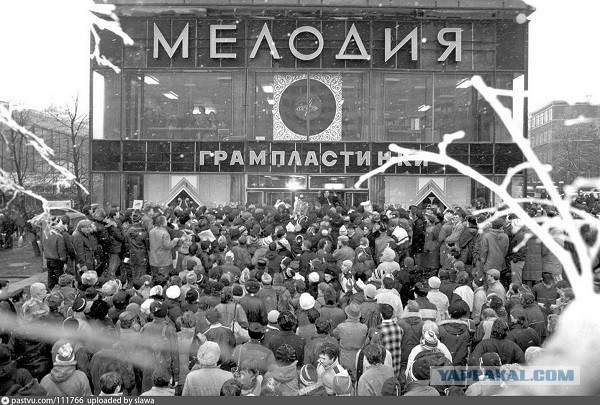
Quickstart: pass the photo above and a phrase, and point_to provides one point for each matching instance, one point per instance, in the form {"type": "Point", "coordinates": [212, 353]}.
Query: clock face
{"type": "Point", "coordinates": [307, 109]}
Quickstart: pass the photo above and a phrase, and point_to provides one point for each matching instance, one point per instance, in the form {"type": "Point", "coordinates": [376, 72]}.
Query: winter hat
{"type": "Point", "coordinates": [134, 308]}
{"type": "Point", "coordinates": [90, 278]}
{"type": "Point", "coordinates": [54, 300]}
{"type": "Point", "coordinates": [353, 310]}
{"type": "Point", "coordinates": [412, 306]}
{"type": "Point", "coordinates": [256, 331]}
{"type": "Point", "coordinates": [208, 353]}
{"type": "Point", "coordinates": [491, 359]}
{"type": "Point", "coordinates": [459, 265]}
{"type": "Point", "coordinates": [145, 307]}
{"type": "Point", "coordinates": [272, 316]}
{"type": "Point", "coordinates": [120, 300]}
{"type": "Point", "coordinates": [391, 387]}
{"type": "Point", "coordinates": [38, 291]}
{"type": "Point", "coordinates": [434, 282]}
{"type": "Point", "coordinates": [156, 290]}
{"type": "Point", "coordinates": [237, 290]}
{"type": "Point", "coordinates": [531, 353]}
{"type": "Point", "coordinates": [313, 277]}
{"type": "Point", "coordinates": [458, 309]}
{"type": "Point", "coordinates": [173, 292]}
{"type": "Point", "coordinates": [430, 340]}
{"type": "Point", "coordinates": [158, 309]}
{"type": "Point", "coordinates": [285, 353]}
{"type": "Point", "coordinates": [187, 320]}
{"type": "Point", "coordinates": [347, 263]}
{"type": "Point", "coordinates": [65, 356]}
{"type": "Point", "coordinates": [409, 262]}
{"type": "Point", "coordinates": [65, 279]}
{"type": "Point", "coordinates": [191, 277]}
{"type": "Point", "coordinates": [494, 273]}
{"type": "Point", "coordinates": [290, 227]}
{"type": "Point", "coordinates": [308, 375]}
{"type": "Point", "coordinates": [370, 290]}
{"type": "Point", "coordinates": [421, 290]}
{"type": "Point", "coordinates": [192, 295]}
{"type": "Point", "coordinates": [79, 304]}
{"type": "Point", "coordinates": [342, 384]}
{"type": "Point", "coordinates": [126, 319]}
{"type": "Point", "coordinates": [343, 230]}
{"type": "Point", "coordinates": [213, 315]}
{"type": "Point", "coordinates": [307, 301]}
{"type": "Point", "coordinates": [266, 279]}
{"type": "Point", "coordinates": [109, 288]}
{"type": "Point", "coordinates": [229, 255]}
{"type": "Point", "coordinates": [421, 369]}
{"type": "Point", "coordinates": [252, 286]}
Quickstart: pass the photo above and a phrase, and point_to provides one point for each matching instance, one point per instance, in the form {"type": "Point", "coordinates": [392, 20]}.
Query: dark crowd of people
{"type": "Point", "coordinates": [311, 299]}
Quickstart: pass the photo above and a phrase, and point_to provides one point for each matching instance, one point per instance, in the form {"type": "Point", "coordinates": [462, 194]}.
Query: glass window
{"type": "Point", "coordinates": [272, 181]}
{"type": "Point", "coordinates": [106, 100]}
{"type": "Point", "coordinates": [334, 182]}
{"type": "Point", "coordinates": [106, 155]}
{"type": "Point", "coordinates": [408, 107]}
{"type": "Point", "coordinates": [186, 106]}
{"type": "Point", "coordinates": [458, 109]}
{"type": "Point", "coordinates": [514, 82]}
{"type": "Point", "coordinates": [134, 188]}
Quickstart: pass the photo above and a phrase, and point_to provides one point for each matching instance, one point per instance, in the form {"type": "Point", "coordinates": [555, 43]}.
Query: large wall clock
{"type": "Point", "coordinates": [307, 109]}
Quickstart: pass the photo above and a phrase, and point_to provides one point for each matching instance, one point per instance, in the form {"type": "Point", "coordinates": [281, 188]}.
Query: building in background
{"type": "Point", "coordinates": [567, 137]}
{"type": "Point", "coordinates": [252, 102]}
{"type": "Point", "coordinates": [28, 169]}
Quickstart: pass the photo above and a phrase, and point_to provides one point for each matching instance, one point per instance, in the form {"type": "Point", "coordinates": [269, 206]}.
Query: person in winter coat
{"type": "Point", "coordinates": [508, 351]}
{"type": "Point", "coordinates": [418, 238]}
{"type": "Point", "coordinates": [84, 246]}
{"type": "Point", "coordinates": [310, 383]}
{"type": "Point", "coordinates": [331, 311]}
{"type": "Point", "coordinates": [389, 295]}
{"type": "Point", "coordinates": [535, 316]}
{"type": "Point", "coordinates": [112, 359]}
{"type": "Point", "coordinates": [412, 327]}
{"type": "Point", "coordinates": [494, 247]}
{"type": "Point", "coordinates": [388, 264]}
{"type": "Point", "coordinates": [160, 345]}
{"type": "Point", "coordinates": [438, 298]}
{"type": "Point", "coordinates": [254, 351]}
{"type": "Point", "coordinates": [220, 334]}
{"type": "Point", "coordinates": [313, 345]}
{"type": "Point", "coordinates": [160, 246]}
{"type": "Point", "coordinates": [430, 260]}
{"type": "Point", "coordinates": [253, 306]}
{"type": "Point", "coordinates": [55, 252]}
{"type": "Point", "coordinates": [516, 260]}
{"type": "Point", "coordinates": [287, 322]}
{"type": "Point", "coordinates": [466, 241]}
{"type": "Point", "coordinates": [520, 333]}
{"type": "Point", "coordinates": [11, 377]}
{"type": "Point", "coordinates": [351, 335]}
{"type": "Point", "coordinates": [137, 245]}
{"type": "Point", "coordinates": [65, 379]}
{"type": "Point", "coordinates": [532, 269]}
{"type": "Point", "coordinates": [30, 344]}
{"type": "Point", "coordinates": [371, 381]}
{"type": "Point", "coordinates": [369, 308]}
{"type": "Point", "coordinates": [456, 332]}
{"type": "Point", "coordinates": [549, 261]}
{"type": "Point", "coordinates": [283, 375]}
{"type": "Point", "coordinates": [206, 378]}
{"type": "Point", "coordinates": [161, 385]}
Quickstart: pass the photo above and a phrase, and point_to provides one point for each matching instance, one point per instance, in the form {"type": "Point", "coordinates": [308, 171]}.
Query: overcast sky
{"type": "Point", "coordinates": [45, 59]}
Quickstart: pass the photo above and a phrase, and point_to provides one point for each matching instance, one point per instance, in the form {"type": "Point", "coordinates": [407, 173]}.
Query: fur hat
{"type": "Point", "coordinates": [90, 278]}
{"type": "Point", "coordinates": [434, 282]}
{"type": "Point", "coordinates": [156, 290]}
{"type": "Point", "coordinates": [266, 278]}
{"type": "Point", "coordinates": [158, 309]}
{"type": "Point", "coordinates": [308, 375]}
{"type": "Point", "coordinates": [370, 290]}
{"type": "Point", "coordinates": [285, 353]}
{"type": "Point", "coordinates": [65, 279]}
{"type": "Point", "coordinates": [213, 315]}
{"type": "Point", "coordinates": [252, 286]}
{"type": "Point", "coordinates": [38, 291]}
{"type": "Point", "coordinates": [65, 356]}
{"type": "Point", "coordinates": [208, 353]}
{"type": "Point", "coordinates": [307, 301]}
{"type": "Point", "coordinates": [54, 300]}
{"type": "Point", "coordinates": [173, 292]}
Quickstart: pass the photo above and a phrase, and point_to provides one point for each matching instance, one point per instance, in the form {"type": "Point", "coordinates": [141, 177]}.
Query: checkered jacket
{"type": "Point", "coordinates": [391, 338]}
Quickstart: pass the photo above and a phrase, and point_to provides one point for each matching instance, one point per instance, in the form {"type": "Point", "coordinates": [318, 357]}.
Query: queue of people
{"type": "Point", "coordinates": [312, 300]}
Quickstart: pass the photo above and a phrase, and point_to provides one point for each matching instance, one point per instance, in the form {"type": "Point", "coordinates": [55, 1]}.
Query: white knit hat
{"type": "Point", "coordinates": [307, 301]}
{"type": "Point", "coordinates": [313, 277]}
{"type": "Point", "coordinates": [208, 353]}
{"type": "Point", "coordinates": [173, 292]}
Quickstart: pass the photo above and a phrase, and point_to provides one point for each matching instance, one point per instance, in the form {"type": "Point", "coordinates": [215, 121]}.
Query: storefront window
{"type": "Point", "coordinates": [407, 107]}
{"type": "Point", "coordinates": [457, 108]}
{"type": "Point", "coordinates": [185, 106]}
{"type": "Point", "coordinates": [106, 87]}
{"type": "Point", "coordinates": [134, 188]}
{"type": "Point", "coordinates": [510, 82]}
{"type": "Point", "coordinates": [334, 182]}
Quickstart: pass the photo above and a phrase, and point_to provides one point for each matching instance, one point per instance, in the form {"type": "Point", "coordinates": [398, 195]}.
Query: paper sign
{"type": "Point", "coordinates": [207, 235]}
{"type": "Point", "coordinates": [138, 204]}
